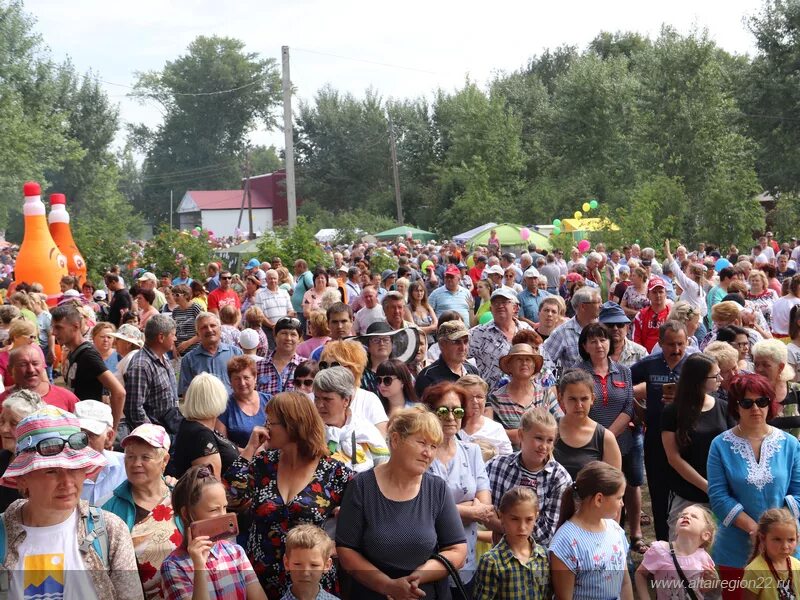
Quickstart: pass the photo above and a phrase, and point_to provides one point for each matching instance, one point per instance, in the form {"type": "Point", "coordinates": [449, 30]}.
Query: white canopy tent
{"type": "Point", "coordinates": [463, 238]}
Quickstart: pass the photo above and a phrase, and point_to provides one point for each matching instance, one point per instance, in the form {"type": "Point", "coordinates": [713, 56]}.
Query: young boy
{"type": "Point", "coordinates": [307, 557]}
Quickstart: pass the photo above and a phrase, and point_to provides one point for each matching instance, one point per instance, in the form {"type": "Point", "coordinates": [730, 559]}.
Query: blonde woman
{"type": "Point", "coordinates": [685, 313]}
{"type": "Point", "coordinates": [320, 334]}
{"type": "Point", "coordinates": [771, 360]}
{"type": "Point", "coordinates": [761, 297]}
{"type": "Point", "coordinates": [103, 340]}
{"type": "Point", "coordinates": [402, 285]}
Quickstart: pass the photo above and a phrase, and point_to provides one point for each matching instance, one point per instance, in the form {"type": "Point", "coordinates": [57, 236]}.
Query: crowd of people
{"type": "Point", "coordinates": [470, 424]}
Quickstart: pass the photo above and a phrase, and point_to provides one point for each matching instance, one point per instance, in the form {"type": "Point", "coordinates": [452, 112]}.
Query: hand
{"type": "Point", "coordinates": [258, 437]}
{"type": "Point", "coordinates": [482, 512]}
{"type": "Point", "coordinates": [710, 573]}
{"type": "Point", "coordinates": [666, 247]}
{"type": "Point", "coordinates": [199, 549]}
{"type": "Point", "coordinates": [405, 588]}
{"type": "Point", "coordinates": [170, 481]}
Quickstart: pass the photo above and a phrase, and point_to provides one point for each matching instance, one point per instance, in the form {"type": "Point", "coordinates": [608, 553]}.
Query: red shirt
{"type": "Point", "coordinates": [646, 325]}
{"type": "Point", "coordinates": [57, 396]}
{"type": "Point", "coordinates": [217, 299]}
{"type": "Point", "coordinates": [475, 274]}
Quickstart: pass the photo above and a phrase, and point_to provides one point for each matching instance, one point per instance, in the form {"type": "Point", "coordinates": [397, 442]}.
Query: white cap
{"type": "Point", "coordinates": [495, 270]}
{"type": "Point", "coordinates": [99, 295]}
{"type": "Point", "coordinates": [94, 416]}
{"type": "Point", "coordinates": [531, 272]}
{"type": "Point", "coordinates": [248, 339]}
{"type": "Point", "coordinates": [71, 293]}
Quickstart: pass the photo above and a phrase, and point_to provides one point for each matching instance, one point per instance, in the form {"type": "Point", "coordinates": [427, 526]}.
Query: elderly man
{"type": "Point", "coordinates": [394, 306]}
{"type": "Point", "coordinates": [211, 356]}
{"type": "Point", "coordinates": [275, 302]}
{"type": "Point", "coordinates": [183, 277]}
{"type": "Point", "coordinates": [149, 281]}
{"type": "Point", "coordinates": [370, 313]}
{"type": "Point", "coordinates": [491, 341]}
{"type": "Point", "coordinates": [531, 298]}
{"type": "Point", "coordinates": [453, 338]}
{"type": "Point", "coordinates": [494, 274]}
{"type": "Point", "coordinates": [212, 281]}
{"type": "Point", "coordinates": [150, 386]}
{"type": "Point", "coordinates": [451, 296]}
{"type": "Point", "coordinates": [96, 421]}
{"type": "Point", "coordinates": [648, 320]}
{"type": "Point", "coordinates": [353, 285]}
{"type": "Point", "coordinates": [27, 368]}
{"type": "Point", "coordinates": [561, 348]}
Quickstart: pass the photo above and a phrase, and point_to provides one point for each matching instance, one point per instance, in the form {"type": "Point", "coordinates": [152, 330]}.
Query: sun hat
{"type": "Point", "coordinates": [94, 416]}
{"type": "Point", "coordinates": [151, 434]}
{"type": "Point", "coordinates": [405, 342]}
{"type": "Point", "coordinates": [48, 423]}
{"type": "Point", "coordinates": [148, 276]}
{"type": "Point", "coordinates": [129, 333]}
{"type": "Point", "coordinates": [71, 293]}
{"type": "Point", "coordinates": [521, 350]}
{"type": "Point", "coordinates": [611, 312]}
{"type": "Point", "coordinates": [531, 272]}
{"type": "Point", "coordinates": [386, 274]}
{"type": "Point", "coordinates": [252, 263]}
{"type": "Point", "coordinates": [654, 283]}
{"type": "Point", "coordinates": [248, 339]}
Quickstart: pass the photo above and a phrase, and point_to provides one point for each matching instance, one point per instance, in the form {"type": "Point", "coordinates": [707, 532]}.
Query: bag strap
{"type": "Point", "coordinates": [96, 535]}
{"type": "Point", "coordinates": [684, 580]}
{"type": "Point", "coordinates": [451, 570]}
{"type": "Point", "coordinates": [5, 578]}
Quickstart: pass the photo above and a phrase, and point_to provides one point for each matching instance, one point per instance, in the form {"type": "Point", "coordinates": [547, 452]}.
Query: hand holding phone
{"type": "Point", "coordinates": [216, 528]}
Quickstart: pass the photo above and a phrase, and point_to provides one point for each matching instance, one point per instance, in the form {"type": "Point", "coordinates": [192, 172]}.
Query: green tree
{"type": "Point", "coordinates": [264, 159]}
{"type": "Point", "coordinates": [171, 248]}
{"type": "Point", "coordinates": [294, 243]}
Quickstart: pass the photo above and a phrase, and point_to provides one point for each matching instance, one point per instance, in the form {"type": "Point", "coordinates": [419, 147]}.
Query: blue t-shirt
{"type": "Point", "coordinates": [240, 425]}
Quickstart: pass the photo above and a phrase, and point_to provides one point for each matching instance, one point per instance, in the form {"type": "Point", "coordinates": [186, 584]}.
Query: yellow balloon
{"type": "Point", "coordinates": [578, 214]}
{"type": "Point", "coordinates": [586, 207]}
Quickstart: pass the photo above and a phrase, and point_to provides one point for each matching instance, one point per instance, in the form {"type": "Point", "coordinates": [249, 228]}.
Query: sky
{"type": "Point", "coordinates": [400, 49]}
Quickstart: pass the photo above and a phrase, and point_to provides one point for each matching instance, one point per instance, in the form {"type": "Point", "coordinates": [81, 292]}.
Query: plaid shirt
{"type": "Point", "coordinates": [501, 574]}
{"type": "Point", "coordinates": [321, 595]}
{"type": "Point", "coordinates": [486, 345]}
{"type": "Point", "coordinates": [228, 573]}
{"type": "Point", "coordinates": [150, 388]}
{"type": "Point", "coordinates": [560, 349]}
{"type": "Point", "coordinates": [549, 483]}
{"type": "Point", "coordinates": [269, 381]}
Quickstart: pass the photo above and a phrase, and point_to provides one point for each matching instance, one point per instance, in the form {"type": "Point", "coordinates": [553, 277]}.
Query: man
{"type": "Point", "coordinates": [553, 274]}
{"type": "Point", "coordinates": [166, 279]}
{"type": "Point", "coordinates": [211, 356]}
{"type": "Point", "coordinates": [453, 338]}
{"type": "Point", "coordinates": [507, 261]}
{"type": "Point", "coordinates": [492, 340]}
{"type": "Point", "coordinates": [274, 301]}
{"type": "Point", "coordinates": [371, 312]}
{"type": "Point", "coordinates": [27, 368]}
{"type": "Point", "coordinates": [223, 295]}
{"type": "Point", "coordinates": [647, 322]}
{"type": "Point", "coordinates": [304, 281]}
{"type": "Point", "coordinates": [150, 386]}
{"type": "Point", "coordinates": [783, 270]}
{"type": "Point", "coordinates": [494, 275]}
{"type": "Point", "coordinates": [338, 260]}
{"type": "Point", "coordinates": [561, 348]}
{"type": "Point", "coordinates": [148, 281]}
{"type": "Point", "coordinates": [549, 316]}
{"type": "Point", "coordinates": [212, 281]}
{"type": "Point", "coordinates": [531, 298]}
{"type": "Point", "coordinates": [451, 296]}
{"type": "Point", "coordinates": [658, 375]}
{"type": "Point", "coordinates": [97, 423]}
{"type": "Point", "coordinates": [719, 291]}
{"type": "Point", "coordinates": [85, 374]}
{"type": "Point", "coordinates": [183, 277]}
{"type": "Point", "coordinates": [340, 325]}
{"type": "Point", "coordinates": [252, 266]}
{"type": "Point", "coordinates": [121, 301]}
{"type": "Point", "coordinates": [626, 352]}
{"type": "Point", "coordinates": [352, 285]}
{"type": "Point", "coordinates": [394, 307]}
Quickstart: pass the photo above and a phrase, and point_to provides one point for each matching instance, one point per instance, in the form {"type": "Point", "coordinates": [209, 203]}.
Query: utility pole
{"type": "Point", "coordinates": [245, 189]}
{"type": "Point", "coordinates": [252, 235]}
{"type": "Point", "coordinates": [170, 209]}
{"type": "Point", "coordinates": [397, 198]}
{"type": "Point", "coordinates": [288, 136]}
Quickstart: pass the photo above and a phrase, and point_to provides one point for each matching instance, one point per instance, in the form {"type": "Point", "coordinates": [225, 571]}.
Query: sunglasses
{"type": "Point", "coordinates": [442, 412]}
{"type": "Point", "coordinates": [762, 402]}
{"type": "Point", "coordinates": [386, 379]}
{"type": "Point", "coordinates": [327, 365]}
{"type": "Point", "coordinates": [304, 382]}
{"type": "Point", "coordinates": [615, 325]}
{"type": "Point", "coordinates": [228, 277]}
{"type": "Point", "coordinates": [55, 445]}
{"type": "Point", "coordinates": [290, 321]}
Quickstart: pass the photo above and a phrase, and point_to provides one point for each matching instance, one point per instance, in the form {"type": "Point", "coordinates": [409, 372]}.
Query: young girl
{"type": "Point", "coordinates": [201, 568]}
{"type": "Point", "coordinates": [587, 554]}
{"type": "Point", "coordinates": [773, 573]}
{"type": "Point", "coordinates": [694, 534]}
{"type": "Point", "coordinates": [517, 566]}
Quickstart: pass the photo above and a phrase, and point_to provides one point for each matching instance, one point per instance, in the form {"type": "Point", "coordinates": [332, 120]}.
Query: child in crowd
{"type": "Point", "coordinates": [695, 529]}
{"type": "Point", "coordinates": [221, 567]}
{"type": "Point", "coordinates": [307, 557]}
{"type": "Point", "coordinates": [517, 566]}
{"type": "Point", "coordinates": [773, 573]}
{"type": "Point", "coordinates": [587, 554]}
{"type": "Point", "coordinates": [230, 317]}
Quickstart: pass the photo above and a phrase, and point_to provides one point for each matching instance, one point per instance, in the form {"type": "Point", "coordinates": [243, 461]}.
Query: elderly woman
{"type": "Point", "coordinates": [751, 468]}
{"type": "Point", "coordinates": [246, 406]}
{"type": "Point", "coordinates": [144, 301]}
{"type": "Point", "coordinates": [727, 359]}
{"type": "Point", "coordinates": [286, 472]}
{"type": "Point", "coordinates": [395, 386]}
{"type": "Point", "coordinates": [351, 439]}
{"type": "Point", "coordinates": [475, 425]}
{"type": "Point", "coordinates": [103, 341]}
{"type": "Point", "coordinates": [128, 340]}
{"type": "Point", "coordinates": [51, 522]}
{"type": "Point", "coordinates": [760, 297]}
{"type": "Point", "coordinates": [508, 402]}
{"type": "Point", "coordinates": [723, 314]}
{"type": "Point", "coordinates": [197, 442]}
{"type": "Point", "coordinates": [276, 371]}
{"type": "Point", "coordinates": [313, 297]}
{"type": "Point", "coordinates": [351, 355]}
{"type": "Point", "coordinates": [21, 333]}
{"type": "Point", "coordinates": [251, 286]}
{"type": "Point", "coordinates": [320, 334]}
{"type": "Point", "coordinates": [378, 344]}
{"type": "Point", "coordinates": [184, 315]}
{"type": "Point", "coordinates": [380, 503]}
{"type": "Point", "coordinates": [16, 407]}
{"type": "Point", "coordinates": [770, 360]}
{"type": "Point", "coordinates": [144, 503]}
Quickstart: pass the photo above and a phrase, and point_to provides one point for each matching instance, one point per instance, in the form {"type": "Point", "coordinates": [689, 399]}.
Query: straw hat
{"type": "Point", "coordinates": [521, 350]}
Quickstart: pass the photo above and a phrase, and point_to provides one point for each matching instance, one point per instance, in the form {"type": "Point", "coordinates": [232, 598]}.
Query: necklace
{"type": "Point", "coordinates": [785, 586]}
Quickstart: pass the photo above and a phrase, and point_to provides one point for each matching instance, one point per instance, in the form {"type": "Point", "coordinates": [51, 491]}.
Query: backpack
{"type": "Point", "coordinates": [96, 539]}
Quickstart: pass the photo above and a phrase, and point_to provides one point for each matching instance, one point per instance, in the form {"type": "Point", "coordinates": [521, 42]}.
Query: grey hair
{"type": "Point", "coordinates": [672, 325]}
{"type": "Point", "coordinates": [595, 256]}
{"type": "Point", "coordinates": [336, 380]}
{"type": "Point", "coordinates": [23, 403]}
{"type": "Point", "coordinates": [648, 253]}
{"type": "Point", "coordinates": [203, 316]}
{"type": "Point", "coordinates": [583, 295]}
{"type": "Point", "coordinates": [393, 295]}
{"type": "Point", "coordinates": [157, 325]}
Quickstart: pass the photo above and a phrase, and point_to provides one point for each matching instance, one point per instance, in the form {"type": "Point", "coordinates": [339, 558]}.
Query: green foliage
{"type": "Point", "coordinates": [381, 260]}
{"type": "Point", "coordinates": [784, 219]}
{"type": "Point", "coordinates": [352, 224]}
{"type": "Point", "coordinates": [291, 244]}
{"type": "Point", "coordinates": [171, 248]}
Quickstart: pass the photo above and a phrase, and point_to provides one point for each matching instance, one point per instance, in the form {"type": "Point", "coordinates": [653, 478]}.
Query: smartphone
{"type": "Point", "coordinates": [669, 388]}
{"type": "Point", "coordinates": [216, 528]}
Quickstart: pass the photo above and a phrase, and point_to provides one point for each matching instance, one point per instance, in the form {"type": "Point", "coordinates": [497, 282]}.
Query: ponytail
{"type": "Point", "coordinates": [595, 478]}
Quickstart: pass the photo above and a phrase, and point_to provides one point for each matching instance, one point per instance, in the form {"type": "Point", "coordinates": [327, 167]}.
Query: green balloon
{"type": "Point", "coordinates": [556, 222]}
{"type": "Point", "coordinates": [593, 204]}
{"type": "Point", "coordinates": [486, 318]}
{"type": "Point", "coordinates": [556, 231]}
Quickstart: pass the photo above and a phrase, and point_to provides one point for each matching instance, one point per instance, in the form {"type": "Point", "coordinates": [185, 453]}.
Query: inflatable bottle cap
{"type": "Point", "coordinates": [57, 199]}
{"type": "Point", "coordinates": [31, 188]}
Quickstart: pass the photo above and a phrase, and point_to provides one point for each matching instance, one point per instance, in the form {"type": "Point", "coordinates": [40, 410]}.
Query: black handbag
{"type": "Point", "coordinates": [456, 578]}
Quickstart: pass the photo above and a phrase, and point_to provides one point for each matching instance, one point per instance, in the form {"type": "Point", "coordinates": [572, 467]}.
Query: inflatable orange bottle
{"type": "Point", "coordinates": [39, 259]}
{"type": "Point", "coordinates": [62, 236]}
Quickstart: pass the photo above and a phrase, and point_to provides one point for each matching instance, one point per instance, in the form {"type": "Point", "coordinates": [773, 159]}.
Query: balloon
{"type": "Point", "coordinates": [584, 245]}
{"type": "Point", "coordinates": [198, 228]}
{"type": "Point", "coordinates": [486, 317]}
{"type": "Point", "coordinates": [593, 204]}
{"type": "Point", "coordinates": [586, 206]}
{"type": "Point", "coordinates": [721, 264]}
{"type": "Point", "coordinates": [524, 233]}
{"type": "Point", "coordinates": [556, 230]}
{"type": "Point", "coordinates": [578, 214]}
{"type": "Point", "coordinates": [556, 222]}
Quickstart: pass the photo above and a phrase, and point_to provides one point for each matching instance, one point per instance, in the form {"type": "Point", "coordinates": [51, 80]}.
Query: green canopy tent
{"type": "Point", "coordinates": [403, 231]}
{"type": "Point", "coordinates": [235, 254]}
{"type": "Point", "coordinates": [509, 236]}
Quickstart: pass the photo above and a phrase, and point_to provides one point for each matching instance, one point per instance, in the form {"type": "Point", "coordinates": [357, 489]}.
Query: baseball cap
{"type": "Point", "coordinates": [94, 416]}
{"type": "Point", "coordinates": [452, 270]}
{"type": "Point", "coordinates": [248, 339]}
{"type": "Point", "coordinates": [611, 312]}
{"type": "Point", "coordinates": [148, 276]}
{"type": "Point", "coordinates": [344, 269]}
{"type": "Point", "coordinates": [153, 435]}
{"type": "Point", "coordinates": [506, 293]}
{"type": "Point", "coordinates": [253, 263]}
{"type": "Point", "coordinates": [71, 293]}
{"type": "Point", "coordinates": [452, 330]}
{"type": "Point", "coordinates": [531, 272]}
{"type": "Point", "coordinates": [655, 282]}
{"type": "Point", "coordinates": [99, 295]}
{"type": "Point", "coordinates": [495, 270]}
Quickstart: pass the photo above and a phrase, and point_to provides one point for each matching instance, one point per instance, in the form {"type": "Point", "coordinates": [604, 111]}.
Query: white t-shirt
{"type": "Point", "coordinates": [781, 309]}
{"type": "Point", "coordinates": [366, 317]}
{"type": "Point", "coordinates": [122, 366]}
{"type": "Point", "coordinates": [794, 359]}
{"type": "Point", "coordinates": [492, 432]}
{"type": "Point", "coordinates": [51, 566]}
{"type": "Point", "coordinates": [368, 406]}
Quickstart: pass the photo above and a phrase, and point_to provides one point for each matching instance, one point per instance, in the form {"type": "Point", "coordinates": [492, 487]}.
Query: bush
{"type": "Point", "coordinates": [291, 244]}
{"type": "Point", "coordinates": [171, 248]}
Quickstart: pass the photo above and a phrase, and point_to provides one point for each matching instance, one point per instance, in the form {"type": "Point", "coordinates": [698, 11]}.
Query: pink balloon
{"type": "Point", "coordinates": [584, 245]}
{"type": "Point", "coordinates": [524, 233]}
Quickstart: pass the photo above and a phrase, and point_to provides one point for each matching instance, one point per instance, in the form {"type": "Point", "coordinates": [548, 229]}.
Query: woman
{"type": "Point", "coordinates": [761, 297]}
{"type": "Point", "coordinates": [508, 402]}
{"type": "Point", "coordinates": [16, 407]}
{"type": "Point", "coordinates": [419, 311]}
{"type": "Point", "coordinates": [22, 301]}
{"type": "Point", "coordinates": [688, 426]}
{"type": "Point", "coordinates": [510, 280]}
{"type": "Point", "coordinates": [285, 471]}
{"type": "Point", "coordinates": [170, 303]}
{"type": "Point", "coordinates": [635, 297]}
{"type": "Point", "coordinates": [691, 318]}
{"type": "Point", "coordinates": [52, 522]}
{"type": "Point", "coordinates": [402, 285]}
{"type": "Point", "coordinates": [727, 358]}
{"type": "Point", "coordinates": [276, 371]}
{"type": "Point", "coordinates": [246, 406]}
{"type": "Point", "coordinates": [395, 386]}
{"type": "Point", "coordinates": [770, 360]}
{"type": "Point", "coordinates": [351, 439]}
{"type": "Point", "coordinates": [20, 333]}
{"type": "Point", "coordinates": [251, 286]}
{"type": "Point", "coordinates": [378, 344]}
{"type": "Point", "coordinates": [144, 504]}
{"type": "Point", "coordinates": [737, 337]}
{"type": "Point", "coordinates": [622, 285]}
{"type": "Point", "coordinates": [475, 426]}
{"type": "Point", "coordinates": [313, 297]}
{"type": "Point", "coordinates": [581, 439]}
{"type": "Point", "coordinates": [378, 507]}
{"type": "Point", "coordinates": [320, 334]}
{"type": "Point", "coordinates": [304, 377]}
{"type": "Point", "coordinates": [484, 289]}
{"type": "Point", "coordinates": [460, 464]}
{"type": "Point", "coordinates": [493, 243]}
{"type": "Point", "coordinates": [351, 355]}
{"type": "Point", "coordinates": [691, 281]}
{"type": "Point", "coordinates": [285, 281]}
{"type": "Point", "coordinates": [199, 295]}
{"type": "Point", "coordinates": [782, 307]}
{"type": "Point", "coordinates": [128, 340]}
{"type": "Point", "coordinates": [184, 315]}
{"type": "Point", "coordinates": [751, 467]}
{"type": "Point", "coordinates": [144, 300]}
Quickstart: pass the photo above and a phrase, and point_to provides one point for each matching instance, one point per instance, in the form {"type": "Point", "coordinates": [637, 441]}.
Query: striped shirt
{"type": "Point", "coordinates": [508, 413]}
{"type": "Point", "coordinates": [613, 396]}
{"type": "Point", "coordinates": [502, 575]}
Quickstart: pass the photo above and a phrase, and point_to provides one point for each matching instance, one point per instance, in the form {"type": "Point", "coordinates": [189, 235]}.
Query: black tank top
{"type": "Point", "coordinates": [574, 459]}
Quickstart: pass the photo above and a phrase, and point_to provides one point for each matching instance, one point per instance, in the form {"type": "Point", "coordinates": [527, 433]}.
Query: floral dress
{"type": "Point", "coordinates": [634, 299]}
{"type": "Point", "coordinates": [763, 303]}
{"type": "Point", "coordinates": [154, 536]}
{"type": "Point", "coordinates": [257, 480]}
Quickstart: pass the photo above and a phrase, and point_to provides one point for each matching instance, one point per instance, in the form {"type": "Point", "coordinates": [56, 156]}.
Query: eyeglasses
{"type": "Point", "coordinates": [386, 380]}
{"type": "Point", "coordinates": [718, 377]}
{"type": "Point", "coordinates": [442, 412]}
{"type": "Point", "coordinates": [303, 382]}
{"type": "Point", "coordinates": [747, 403]}
{"type": "Point", "coordinates": [55, 445]}
{"type": "Point", "coordinates": [327, 365]}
